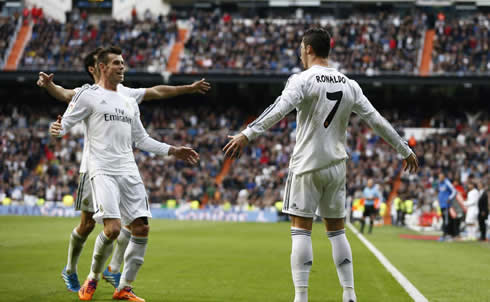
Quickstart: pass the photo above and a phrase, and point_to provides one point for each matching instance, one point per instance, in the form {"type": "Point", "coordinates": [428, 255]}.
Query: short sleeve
{"type": "Point", "coordinates": [137, 93]}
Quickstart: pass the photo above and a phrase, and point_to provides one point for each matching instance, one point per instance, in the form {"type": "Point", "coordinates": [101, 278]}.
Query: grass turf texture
{"type": "Point", "coordinates": [217, 261]}
{"type": "Point", "coordinates": [441, 271]}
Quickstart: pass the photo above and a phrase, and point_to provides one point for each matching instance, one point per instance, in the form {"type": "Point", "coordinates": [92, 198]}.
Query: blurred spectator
{"type": "Point", "coordinates": [7, 29]}
{"type": "Point", "coordinates": [483, 210]}
{"type": "Point", "coordinates": [446, 194]}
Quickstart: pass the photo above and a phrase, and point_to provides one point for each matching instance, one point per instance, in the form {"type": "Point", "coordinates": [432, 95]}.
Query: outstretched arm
{"type": "Point", "coordinates": [291, 96]}
{"type": "Point", "coordinates": [273, 114]}
{"type": "Point", "coordinates": [144, 142]}
{"type": "Point", "coordinates": [164, 91]}
{"type": "Point", "coordinates": [46, 81]}
{"type": "Point", "coordinates": [383, 128]}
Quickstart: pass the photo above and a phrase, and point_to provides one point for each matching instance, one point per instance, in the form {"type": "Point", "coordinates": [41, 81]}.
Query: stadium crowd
{"type": "Point", "coordinates": [146, 42]}
{"type": "Point", "coordinates": [7, 29]}
{"type": "Point", "coordinates": [462, 45]}
{"type": "Point", "coordinates": [364, 43]}
{"type": "Point", "coordinates": [36, 165]}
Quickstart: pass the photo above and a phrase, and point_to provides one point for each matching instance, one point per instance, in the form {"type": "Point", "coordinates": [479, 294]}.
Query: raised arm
{"type": "Point", "coordinates": [383, 128]}
{"type": "Point", "coordinates": [61, 94]}
{"type": "Point", "coordinates": [165, 91]}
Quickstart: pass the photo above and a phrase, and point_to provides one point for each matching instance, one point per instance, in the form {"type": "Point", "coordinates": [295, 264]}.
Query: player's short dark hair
{"type": "Point", "coordinates": [319, 39]}
{"type": "Point", "coordinates": [90, 60]}
{"type": "Point", "coordinates": [103, 56]}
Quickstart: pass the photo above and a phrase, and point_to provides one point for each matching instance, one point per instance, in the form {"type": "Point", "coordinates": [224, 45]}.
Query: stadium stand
{"type": "Point", "coordinates": [56, 46]}
{"type": "Point", "coordinates": [462, 44]}
{"type": "Point", "coordinates": [7, 30]}
{"type": "Point", "coordinates": [363, 43]}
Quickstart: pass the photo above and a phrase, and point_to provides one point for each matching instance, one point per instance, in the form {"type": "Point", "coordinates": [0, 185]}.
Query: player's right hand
{"type": "Point", "coordinates": [44, 80]}
{"type": "Point", "coordinates": [201, 86]}
{"type": "Point", "coordinates": [411, 163]}
{"type": "Point", "coordinates": [234, 147]}
{"type": "Point", "coordinates": [55, 128]}
{"type": "Point", "coordinates": [185, 153]}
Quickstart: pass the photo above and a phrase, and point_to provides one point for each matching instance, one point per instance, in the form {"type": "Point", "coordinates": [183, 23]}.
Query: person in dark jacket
{"type": "Point", "coordinates": [483, 211]}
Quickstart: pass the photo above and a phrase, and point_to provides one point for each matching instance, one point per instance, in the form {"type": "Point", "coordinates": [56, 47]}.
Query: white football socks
{"type": "Point", "coordinates": [472, 231]}
{"type": "Point", "coordinates": [342, 258]}
{"type": "Point", "coordinates": [102, 251]}
{"type": "Point", "coordinates": [301, 262]}
{"type": "Point", "coordinates": [74, 250]}
{"type": "Point", "coordinates": [133, 259]}
{"type": "Point", "coordinates": [121, 245]}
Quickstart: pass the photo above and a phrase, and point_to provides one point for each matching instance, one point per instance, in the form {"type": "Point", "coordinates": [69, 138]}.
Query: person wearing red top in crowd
{"type": "Point", "coordinates": [134, 14]}
{"type": "Point", "coordinates": [392, 43]}
{"type": "Point", "coordinates": [459, 187]}
{"type": "Point", "coordinates": [35, 14]}
{"type": "Point", "coordinates": [226, 18]}
{"type": "Point", "coordinates": [25, 14]}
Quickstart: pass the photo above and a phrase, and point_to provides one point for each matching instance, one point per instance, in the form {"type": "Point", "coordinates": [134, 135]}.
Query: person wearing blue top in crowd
{"type": "Point", "coordinates": [447, 192]}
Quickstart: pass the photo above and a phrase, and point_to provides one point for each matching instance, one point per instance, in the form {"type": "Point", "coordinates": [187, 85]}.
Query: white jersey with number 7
{"type": "Point", "coordinates": [324, 99]}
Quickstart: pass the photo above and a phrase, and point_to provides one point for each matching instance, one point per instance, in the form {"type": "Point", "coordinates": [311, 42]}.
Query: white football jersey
{"type": "Point", "coordinates": [112, 124]}
{"type": "Point", "coordinates": [324, 99]}
{"type": "Point", "coordinates": [136, 93]}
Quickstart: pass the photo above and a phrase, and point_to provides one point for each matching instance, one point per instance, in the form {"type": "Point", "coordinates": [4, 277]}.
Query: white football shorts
{"type": "Point", "coordinates": [320, 192]}
{"type": "Point", "coordinates": [119, 196]}
{"type": "Point", "coordinates": [472, 215]}
{"type": "Point", "coordinates": [84, 201]}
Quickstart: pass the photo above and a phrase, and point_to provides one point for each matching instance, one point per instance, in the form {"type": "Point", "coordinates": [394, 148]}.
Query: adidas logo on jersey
{"type": "Point", "coordinates": [103, 102]}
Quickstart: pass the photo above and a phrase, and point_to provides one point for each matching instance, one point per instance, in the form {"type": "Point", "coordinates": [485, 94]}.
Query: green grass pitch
{"type": "Point", "coordinates": [218, 261]}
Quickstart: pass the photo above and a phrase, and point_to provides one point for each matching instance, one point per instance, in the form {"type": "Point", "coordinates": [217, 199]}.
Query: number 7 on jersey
{"type": "Point", "coordinates": [333, 96]}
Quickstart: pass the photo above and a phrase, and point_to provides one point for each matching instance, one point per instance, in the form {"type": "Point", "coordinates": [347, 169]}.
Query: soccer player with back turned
{"type": "Point", "coordinates": [324, 99]}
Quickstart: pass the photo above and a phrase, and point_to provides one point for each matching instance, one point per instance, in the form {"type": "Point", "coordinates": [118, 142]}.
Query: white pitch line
{"type": "Point", "coordinates": [407, 285]}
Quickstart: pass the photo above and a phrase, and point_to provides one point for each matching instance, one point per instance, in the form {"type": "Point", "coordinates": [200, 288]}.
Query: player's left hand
{"type": "Point", "coordinates": [235, 147]}
{"type": "Point", "coordinates": [201, 87]}
{"type": "Point", "coordinates": [185, 153]}
{"type": "Point", "coordinates": [44, 80]}
{"type": "Point", "coordinates": [55, 128]}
